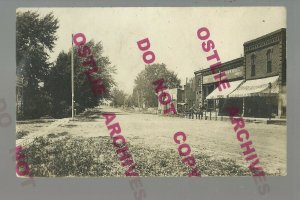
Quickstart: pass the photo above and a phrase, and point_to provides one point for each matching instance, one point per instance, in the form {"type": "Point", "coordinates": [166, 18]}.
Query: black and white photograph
{"type": "Point", "coordinates": [151, 91]}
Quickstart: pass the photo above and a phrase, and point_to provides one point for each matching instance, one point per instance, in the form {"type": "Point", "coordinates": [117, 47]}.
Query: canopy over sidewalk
{"type": "Point", "coordinates": [216, 94]}
{"type": "Point", "coordinates": [257, 87]}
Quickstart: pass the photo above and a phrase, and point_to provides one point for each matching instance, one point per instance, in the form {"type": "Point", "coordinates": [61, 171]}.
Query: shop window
{"type": "Point", "coordinates": [269, 61]}
{"type": "Point", "coordinates": [253, 65]}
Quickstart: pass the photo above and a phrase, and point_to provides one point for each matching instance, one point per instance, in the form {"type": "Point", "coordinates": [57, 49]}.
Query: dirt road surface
{"type": "Point", "coordinates": [213, 138]}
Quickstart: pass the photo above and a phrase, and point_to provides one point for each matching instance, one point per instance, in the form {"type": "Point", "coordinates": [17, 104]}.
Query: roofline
{"type": "Point", "coordinates": [265, 36]}
{"type": "Point", "coordinates": [223, 65]}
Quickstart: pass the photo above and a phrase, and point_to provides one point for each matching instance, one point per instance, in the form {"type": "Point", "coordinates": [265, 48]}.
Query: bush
{"type": "Point", "coordinates": [52, 135]}
{"type": "Point", "coordinates": [22, 134]}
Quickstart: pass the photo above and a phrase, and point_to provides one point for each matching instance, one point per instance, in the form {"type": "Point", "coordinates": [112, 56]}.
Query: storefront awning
{"type": "Point", "coordinates": [257, 87]}
{"type": "Point", "coordinates": [216, 94]}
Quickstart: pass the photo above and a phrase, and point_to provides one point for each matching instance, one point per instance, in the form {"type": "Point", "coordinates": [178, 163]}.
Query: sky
{"type": "Point", "coordinates": [172, 33]}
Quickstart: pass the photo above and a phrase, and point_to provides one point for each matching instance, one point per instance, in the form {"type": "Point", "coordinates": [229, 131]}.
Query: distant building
{"type": "Point", "coordinates": [189, 94]}
{"type": "Point", "coordinates": [177, 96]}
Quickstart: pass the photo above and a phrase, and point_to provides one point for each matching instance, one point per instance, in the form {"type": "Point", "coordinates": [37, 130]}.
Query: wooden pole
{"type": "Point", "coordinates": [72, 78]}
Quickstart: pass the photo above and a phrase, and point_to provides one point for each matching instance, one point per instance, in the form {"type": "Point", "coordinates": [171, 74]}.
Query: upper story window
{"type": "Point", "coordinates": [269, 61]}
{"type": "Point", "coordinates": [253, 65]}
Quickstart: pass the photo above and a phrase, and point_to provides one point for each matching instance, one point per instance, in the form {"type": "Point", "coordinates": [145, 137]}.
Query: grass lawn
{"type": "Point", "coordinates": [66, 156]}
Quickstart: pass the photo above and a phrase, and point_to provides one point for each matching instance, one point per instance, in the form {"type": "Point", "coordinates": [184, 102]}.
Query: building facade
{"type": "Point", "coordinates": [206, 84]}
{"type": "Point", "coordinates": [263, 94]}
{"type": "Point", "coordinates": [177, 95]}
{"type": "Point", "coordinates": [189, 94]}
{"type": "Point", "coordinates": [258, 80]}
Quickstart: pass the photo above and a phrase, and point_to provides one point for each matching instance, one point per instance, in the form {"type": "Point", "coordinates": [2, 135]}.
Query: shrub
{"type": "Point", "coordinates": [21, 134]}
{"type": "Point", "coordinates": [63, 133]}
{"type": "Point", "coordinates": [52, 135]}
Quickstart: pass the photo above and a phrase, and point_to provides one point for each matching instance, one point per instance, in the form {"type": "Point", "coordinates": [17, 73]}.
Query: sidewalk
{"type": "Point", "coordinates": [42, 131]}
{"type": "Point", "coordinates": [246, 119]}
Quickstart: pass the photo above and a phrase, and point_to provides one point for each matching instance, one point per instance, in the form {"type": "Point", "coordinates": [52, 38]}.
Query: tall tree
{"type": "Point", "coordinates": [58, 86]}
{"type": "Point", "coordinates": [83, 88]}
{"type": "Point", "coordinates": [35, 37]}
{"type": "Point", "coordinates": [59, 82]}
{"type": "Point", "coordinates": [143, 92]}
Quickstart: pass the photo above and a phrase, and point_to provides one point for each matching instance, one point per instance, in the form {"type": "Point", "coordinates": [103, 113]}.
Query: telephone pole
{"type": "Point", "coordinates": [72, 78]}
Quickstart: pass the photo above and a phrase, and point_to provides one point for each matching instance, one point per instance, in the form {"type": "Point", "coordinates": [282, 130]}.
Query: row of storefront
{"type": "Point", "coordinates": [257, 80]}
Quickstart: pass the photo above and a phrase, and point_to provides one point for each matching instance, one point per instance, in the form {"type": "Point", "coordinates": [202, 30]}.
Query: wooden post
{"type": "Point", "coordinates": [216, 115]}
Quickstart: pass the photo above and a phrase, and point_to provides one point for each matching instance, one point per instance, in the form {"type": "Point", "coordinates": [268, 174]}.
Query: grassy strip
{"type": "Point", "coordinates": [65, 156]}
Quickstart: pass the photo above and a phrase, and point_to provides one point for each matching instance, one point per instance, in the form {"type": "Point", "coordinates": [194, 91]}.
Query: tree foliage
{"type": "Point", "coordinates": [118, 97]}
{"type": "Point", "coordinates": [47, 86]}
{"type": "Point", "coordinates": [143, 92]}
{"type": "Point", "coordinates": [35, 38]}
{"type": "Point", "coordinates": [59, 82]}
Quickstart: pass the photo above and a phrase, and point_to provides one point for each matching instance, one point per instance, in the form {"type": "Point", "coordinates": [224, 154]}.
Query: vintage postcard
{"type": "Point", "coordinates": [151, 91]}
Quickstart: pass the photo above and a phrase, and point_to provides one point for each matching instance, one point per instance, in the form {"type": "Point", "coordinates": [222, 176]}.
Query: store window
{"type": "Point", "coordinates": [269, 61]}
{"type": "Point", "coordinates": [253, 65]}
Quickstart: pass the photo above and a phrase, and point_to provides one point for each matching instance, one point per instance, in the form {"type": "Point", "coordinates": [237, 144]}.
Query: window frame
{"type": "Point", "coordinates": [252, 62]}
{"type": "Point", "coordinates": [269, 61]}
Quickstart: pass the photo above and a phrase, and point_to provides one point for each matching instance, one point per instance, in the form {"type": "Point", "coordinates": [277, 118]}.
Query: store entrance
{"type": "Point", "coordinates": [261, 107]}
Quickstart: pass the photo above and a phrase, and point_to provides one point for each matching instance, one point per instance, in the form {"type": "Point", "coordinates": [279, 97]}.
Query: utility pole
{"type": "Point", "coordinates": [72, 78]}
{"type": "Point", "coordinates": [269, 99]}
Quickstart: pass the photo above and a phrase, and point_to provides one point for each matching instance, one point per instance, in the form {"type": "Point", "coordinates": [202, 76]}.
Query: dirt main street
{"type": "Point", "coordinates": [213, 138]}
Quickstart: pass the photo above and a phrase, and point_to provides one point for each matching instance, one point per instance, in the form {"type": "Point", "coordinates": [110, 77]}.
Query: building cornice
{"type": "Point", "coordinates": [237, 61]}
{"type": "Point", "coordinates": [264, 41]}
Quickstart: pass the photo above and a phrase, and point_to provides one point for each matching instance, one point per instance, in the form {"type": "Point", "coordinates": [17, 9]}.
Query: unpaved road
{"type": "Point", "coordinates": [213, 138]}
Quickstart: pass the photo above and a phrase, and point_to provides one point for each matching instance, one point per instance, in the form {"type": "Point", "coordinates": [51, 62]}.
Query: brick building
{"type": "Point", "coordinates": [257, 80]}
{"type": "Point", "coordinates": [208, 95]}
{"type": "Point", "coordinates": [263, 94]}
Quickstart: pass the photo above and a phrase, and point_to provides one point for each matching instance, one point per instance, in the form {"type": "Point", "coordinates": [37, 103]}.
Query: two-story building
{"type": "Point", "coordinates": [263, 93]}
